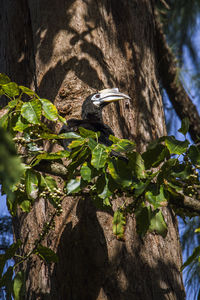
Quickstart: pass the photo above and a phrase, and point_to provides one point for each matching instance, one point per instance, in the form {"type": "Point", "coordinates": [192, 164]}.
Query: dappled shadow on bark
{"type": "Point", "coordinates": [92, 263]}
{"type": "Point", "coordinates": [81, 53]}
{"type": "Point", "coordinates": [128, 27]}
{"type": "Point", "coordinates": [83, 257]}
{"type": "Point", "coordinates": [16, 47]}
{"type": "Point", "coordinates": [88, 270]}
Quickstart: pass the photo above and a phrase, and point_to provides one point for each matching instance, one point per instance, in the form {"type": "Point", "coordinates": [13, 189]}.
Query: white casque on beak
{"type": "Point", "coordinates": [107, 96]}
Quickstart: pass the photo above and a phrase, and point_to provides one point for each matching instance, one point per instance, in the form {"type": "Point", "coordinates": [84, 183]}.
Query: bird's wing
{"type": "Point", "coordinates": [105, 131]}
{"type": "Point", "coordinates": [74, 124]}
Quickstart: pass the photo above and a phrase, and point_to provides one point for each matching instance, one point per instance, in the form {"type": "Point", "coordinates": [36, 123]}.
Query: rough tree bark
{"type": "Point", "coordinates": [70, 49]}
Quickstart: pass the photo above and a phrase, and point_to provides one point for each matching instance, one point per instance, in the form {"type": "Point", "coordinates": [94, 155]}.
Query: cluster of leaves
{"type": "Point", "coordinates": [10, 165]}
{"type": "Point", "coordinates": [164, 174]}
{"type": "Point", "coordinates": [22, 121]}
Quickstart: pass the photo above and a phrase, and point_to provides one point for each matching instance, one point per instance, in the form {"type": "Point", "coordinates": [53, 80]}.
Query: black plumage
{"type": "Point", "coordinates": [92, 115]}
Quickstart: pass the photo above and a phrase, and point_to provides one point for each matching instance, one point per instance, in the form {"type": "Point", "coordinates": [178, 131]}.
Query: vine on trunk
{"type": "Point", "coordinates": [165, 174]}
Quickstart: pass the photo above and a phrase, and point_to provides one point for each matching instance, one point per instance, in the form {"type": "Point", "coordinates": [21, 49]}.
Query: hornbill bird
{"type": "Point", "coordinates": [92, 115]}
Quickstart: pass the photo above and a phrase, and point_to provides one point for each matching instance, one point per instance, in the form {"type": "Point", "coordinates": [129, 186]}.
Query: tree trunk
{"type": "Point", "coordinates": [73, 48]}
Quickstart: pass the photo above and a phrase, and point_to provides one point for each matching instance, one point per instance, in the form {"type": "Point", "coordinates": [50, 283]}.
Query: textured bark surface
{"type": "Point", "coordinates": [16, 42]}
{"type": "Point", "coordinates": [79, 47]}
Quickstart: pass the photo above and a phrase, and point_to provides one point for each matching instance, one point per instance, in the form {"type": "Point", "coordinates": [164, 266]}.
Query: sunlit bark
{"type": "Point", "coordinates": [74, 48]}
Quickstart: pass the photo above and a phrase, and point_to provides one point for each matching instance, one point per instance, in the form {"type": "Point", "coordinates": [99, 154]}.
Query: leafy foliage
{"type": "Point", "coordinates": [10, 164]}
{"type": "Point", "coordinates": [151, 180]}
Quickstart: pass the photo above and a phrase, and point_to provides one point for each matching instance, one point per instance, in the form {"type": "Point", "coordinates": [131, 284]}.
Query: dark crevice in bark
{"type": "Point", "coordinates": [16, 50]}
{"type": "Point", "coordinates": [33, 49]}
{"type": "Point", "coordinates": [168, 72]}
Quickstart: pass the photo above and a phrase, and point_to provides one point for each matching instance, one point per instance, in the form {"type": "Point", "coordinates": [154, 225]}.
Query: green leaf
{"type": "Point", "coordinates": [73, 186]}
{"type": "Point", "coordinates": [106, 194]}
{"type": "Point", "coordinates": [49, 136]}
{"type": "Point", "coordinates": [92, 144]}
{"type": "Point", "coordinates": [169, 164]}
{"type": "Point", "coordinates": [158, 224]}
{"type": "Point", "coordinates": [136, 163]}
{"type": "Point", "coordinates": [51, 156]}
{"type": "Point", "coordinates": [86, 172]}
{"type": "Point", "coordinates": [175, 146]}
{"type": "Point", "coordinates": [123, 146]}
{"type": "Point", "coordinates": [20, 125]}
{"type": "Point", "coordinates": [61, 119]}
{"type": "Point", "coordinates": [182, 171]}
{"type": "Point", "coordinates": [112, 184]}
{"type": "Point", "coordinates": [11, 89]}
{"type": "Point", "coordinates": [11, 202]}
{"type": "Point", "coordinates": [31, 111]}
{"type": "Point", "coordinates": [114, 139]}
{"type": "Point", "coordinates": [174, 185]}
{"type": "Point", "coordinates": [19, 286]}
{"type": "Point", "coordinates": [13, 103]}
{"type": "Point", "coordinates": [10, 252]}
{"type": "Point", "coordinates": [46, 254]}
{"type": "Point", "coordinates": [48, 182]}
{"type": "Point", "coordinates": [157, 199]}
{"type": "Point", "coordinates": [191, 258]}
{"type": "Point", "coordinates": [166, 169]}
{"type": "Point", "coordinates": [31, 184]}
{"type": "Point", "coordinates": [4, 79]}
{"type": "Point", "coordinates": [4, 120]}
{"type": "Point", "coordinates": [27, 91]}
{"type": "Point", "coordinates": [78, 157]}
{"type": "Point", "coordinates": [50, 111]}
{"type": "Point", "coordinates": [68, 135]}
{"type": "Point", "coordinates": [194, 155]}
{"type": "Point", "coordinates": [76, 143]}
{"type": "Point", "coordinates": [155, 155]}
{"type": "Point", "coordinates": [88, 133]}
{"type": "Point", "coordinates": [139, 187]}
{"type": "Point", "coordinates": [11, 168]}
{"type": "Point", "coordinates": [120, 172]}
{"type": "Point", "coordinates": [119, 222]}
{"type": "Point", "coordinates": [99, 156]}
{"type": "Point", "coordinates": [174, 196]}
{"type": "Point", "coordinates": [103, 189]}
{"type": "Point", "coordinates": [142, 221]}
{"type": "Point", "coordinates": [25, 206]}
{"type": "Point", "coordinates": [185, 124]}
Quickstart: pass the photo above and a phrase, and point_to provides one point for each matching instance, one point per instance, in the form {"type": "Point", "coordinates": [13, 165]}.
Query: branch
{"type": "Point", "coordinates": [187, 203]}
{"type": "Point", "coordinates": [53, 168]}
{"type": "Point", "coordinates": [165, 4]}
{"type": "Point", "coordinates": [168, 73]}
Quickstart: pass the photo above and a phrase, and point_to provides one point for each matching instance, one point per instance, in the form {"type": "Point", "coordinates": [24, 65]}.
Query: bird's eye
{"type": "Point", "coordinates": [97, 96]}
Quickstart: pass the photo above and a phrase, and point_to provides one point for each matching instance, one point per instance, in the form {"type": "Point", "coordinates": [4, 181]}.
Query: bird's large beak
{"type": "Point", "coordinates": [112, 95]}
